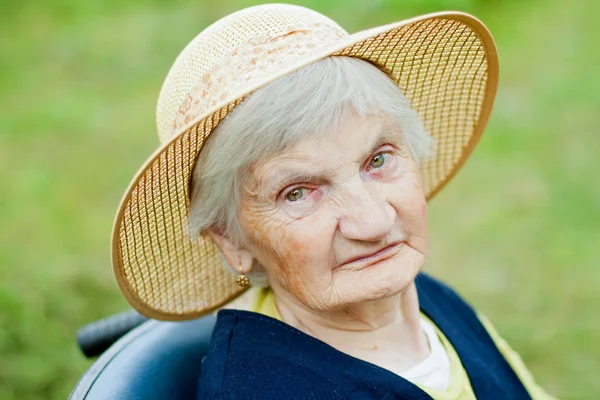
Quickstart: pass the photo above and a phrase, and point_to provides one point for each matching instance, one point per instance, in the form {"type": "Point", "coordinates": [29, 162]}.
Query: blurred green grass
{"type": "Point", "coordinates": [517, 232]}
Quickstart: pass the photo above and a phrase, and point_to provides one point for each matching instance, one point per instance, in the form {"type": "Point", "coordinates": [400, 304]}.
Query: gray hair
{"type": "Point", "coordinates": [302, 104]}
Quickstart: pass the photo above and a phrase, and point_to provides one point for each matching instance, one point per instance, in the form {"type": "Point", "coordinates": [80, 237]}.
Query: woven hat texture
{"type": "Point", "coordinates": [446, 64]}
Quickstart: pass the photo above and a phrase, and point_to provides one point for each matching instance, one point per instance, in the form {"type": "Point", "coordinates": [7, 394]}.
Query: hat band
{"type": "Point", "coordinates": [253, 61]}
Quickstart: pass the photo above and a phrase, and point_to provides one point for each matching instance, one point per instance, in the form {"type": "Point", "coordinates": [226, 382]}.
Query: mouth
{"type": "Point", "coordinates": [367, 260]}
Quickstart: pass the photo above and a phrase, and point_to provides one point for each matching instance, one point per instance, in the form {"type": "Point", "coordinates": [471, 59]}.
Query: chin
{"type": "Point", "coordinates": [379, 281]}
{"type": "Point", "coordinates": [389, 284]}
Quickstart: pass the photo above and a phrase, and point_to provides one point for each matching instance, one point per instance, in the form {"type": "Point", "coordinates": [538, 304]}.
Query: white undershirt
{"type": "Point", "coordinates": [434, 371]}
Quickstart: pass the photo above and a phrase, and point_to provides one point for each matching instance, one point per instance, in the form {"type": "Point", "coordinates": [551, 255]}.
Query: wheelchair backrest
{"type": "Point", "coordinates": [157, 360]}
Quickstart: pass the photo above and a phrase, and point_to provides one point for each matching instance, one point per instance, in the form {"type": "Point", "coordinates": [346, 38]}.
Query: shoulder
{"type": "Point", "coordinates": [247, 359]}
{"type": "Point", "coordinates": [432, 290]}
{"type": "Point", "coordinates": [447, 309]}
{"type": "Point", "coordinates": [426, 282]}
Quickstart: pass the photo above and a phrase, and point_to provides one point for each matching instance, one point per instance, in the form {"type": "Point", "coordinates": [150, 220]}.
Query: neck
{"type": "Point", "coordinates": [384, 331]}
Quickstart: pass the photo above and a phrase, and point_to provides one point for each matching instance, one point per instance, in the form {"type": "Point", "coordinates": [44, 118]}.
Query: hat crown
{"type": "Point", "coordinates": [221, 38]}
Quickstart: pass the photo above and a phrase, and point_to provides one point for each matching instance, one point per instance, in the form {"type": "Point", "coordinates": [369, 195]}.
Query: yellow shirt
{"type": "Point", "coordinates": [460, 386]}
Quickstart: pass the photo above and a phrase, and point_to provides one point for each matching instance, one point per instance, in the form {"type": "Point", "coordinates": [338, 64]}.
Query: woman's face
{"type": "Point", "coordinates": [341, 219]}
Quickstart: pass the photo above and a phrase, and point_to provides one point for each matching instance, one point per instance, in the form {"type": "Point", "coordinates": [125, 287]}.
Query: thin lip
{"type": "Point", "coordinates": [366, 260]}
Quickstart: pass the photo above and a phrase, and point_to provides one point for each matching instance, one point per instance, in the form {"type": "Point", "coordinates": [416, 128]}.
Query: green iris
{"type": "Point", "coordinates": [295, 194]}
{"type": "Point", "coordinates": [377, 161]}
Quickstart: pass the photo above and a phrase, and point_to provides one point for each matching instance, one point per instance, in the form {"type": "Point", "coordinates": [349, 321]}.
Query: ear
{"type": "Point", "coordinates": [238, 258]}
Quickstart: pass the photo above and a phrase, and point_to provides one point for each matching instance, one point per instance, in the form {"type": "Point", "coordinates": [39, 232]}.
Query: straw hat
{"type": "Point", "coordinates": [445, 63]}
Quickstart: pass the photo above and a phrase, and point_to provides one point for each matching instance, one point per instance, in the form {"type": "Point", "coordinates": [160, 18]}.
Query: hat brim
{"type": "Point", "coordinates": [445, 63]}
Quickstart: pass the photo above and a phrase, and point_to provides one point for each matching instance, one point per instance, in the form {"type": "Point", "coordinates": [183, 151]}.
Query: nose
{"type": "Point", "coordinates": [365, 213]}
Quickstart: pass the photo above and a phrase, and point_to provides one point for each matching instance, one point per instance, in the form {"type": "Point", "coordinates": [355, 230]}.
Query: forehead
{"type": "Point", "coordinates": [350, 141]}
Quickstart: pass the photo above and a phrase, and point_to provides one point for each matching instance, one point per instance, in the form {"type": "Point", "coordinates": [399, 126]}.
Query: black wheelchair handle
{"type": "Point", "coordinates": [94, 338]}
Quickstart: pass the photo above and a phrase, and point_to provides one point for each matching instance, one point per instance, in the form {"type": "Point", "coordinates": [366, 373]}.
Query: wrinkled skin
{"type": "Point", "coordinates": [352, 201]}
{"type": "Point", "coordinates": [311, 210]}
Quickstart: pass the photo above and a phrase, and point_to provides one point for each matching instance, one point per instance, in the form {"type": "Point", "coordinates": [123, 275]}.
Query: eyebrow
{"type": "Point", "coordinates": [387, 134]}
{"type": "Point", "coordinates": [285, 177]}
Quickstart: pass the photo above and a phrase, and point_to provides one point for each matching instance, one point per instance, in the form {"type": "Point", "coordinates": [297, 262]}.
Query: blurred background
{"type": "Point", "coordinates": [517, 232]}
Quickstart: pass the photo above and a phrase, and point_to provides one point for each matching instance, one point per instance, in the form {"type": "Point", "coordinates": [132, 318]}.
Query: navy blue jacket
{"type": "Point", "coordinates": [253, 356]}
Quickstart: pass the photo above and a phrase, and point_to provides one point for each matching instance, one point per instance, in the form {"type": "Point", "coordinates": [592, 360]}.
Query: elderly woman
{"type": "Point", "coordinates": [301, 158]}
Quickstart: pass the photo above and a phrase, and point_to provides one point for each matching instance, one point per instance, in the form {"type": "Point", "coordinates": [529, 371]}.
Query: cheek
{"type": "Point", "coordinates": [415, 202]}
{"type": "Point", "coordinates": [301, 264]}
{"type": "Point", "coordinates": [407, 198]}
{"type": "Point", "coordinates": [292, 251]}
{"type": "Point", "coordinates": [304, 254]}
{"type": "Point", "coordinates": [414, 217]}
{"type": "Point", "coordinates": [407, 193]}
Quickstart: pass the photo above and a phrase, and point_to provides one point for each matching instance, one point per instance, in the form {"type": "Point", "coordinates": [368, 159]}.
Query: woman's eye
{"type": "Point", "coordinates": [295, 194]}
{"type": "Point", "coordinates": [379, 160]}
